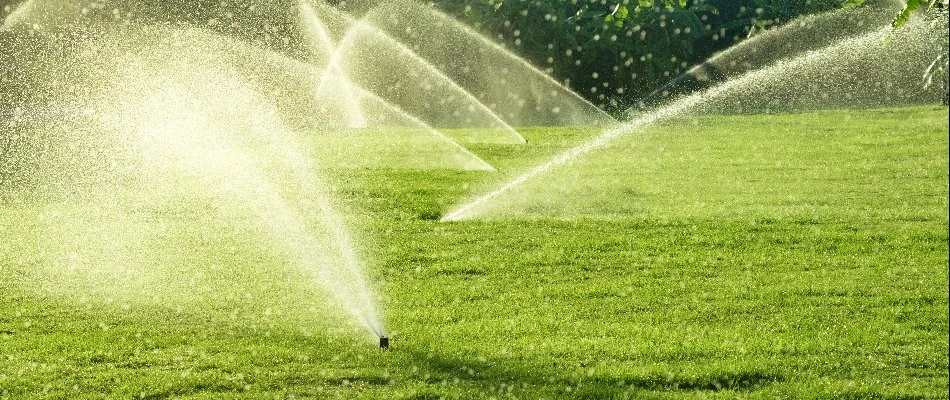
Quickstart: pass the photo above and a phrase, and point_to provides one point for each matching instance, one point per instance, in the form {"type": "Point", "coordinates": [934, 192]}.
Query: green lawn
{"type": "Point", "coordinates": [747, 256]}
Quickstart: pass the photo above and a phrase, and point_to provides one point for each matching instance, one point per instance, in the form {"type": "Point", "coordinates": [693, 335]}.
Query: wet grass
{"type": "Point", "coordinates": [840, 292]}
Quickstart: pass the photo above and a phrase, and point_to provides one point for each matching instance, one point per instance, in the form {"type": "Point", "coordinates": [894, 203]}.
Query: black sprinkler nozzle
{"type": "Point", "coordinates": [383, 342]}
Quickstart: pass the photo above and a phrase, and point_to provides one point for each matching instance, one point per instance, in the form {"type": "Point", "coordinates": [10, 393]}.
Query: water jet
{"type": "Point", "coordinates": [376, 61]}
{"type": "Point", "coordinates": [860, 72]}
{"type": "Point", "coordinates": [794, 38]}
{"type": "Point", "coordinates": [516, 90]}
{"type": "Point", "coordinates": [167, 119]}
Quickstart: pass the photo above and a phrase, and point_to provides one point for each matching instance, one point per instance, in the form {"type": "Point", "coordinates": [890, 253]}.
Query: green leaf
{"type": "Point", "coordinates": [622, 13]}
{"type": "Point", "coordinates": [901, 19]}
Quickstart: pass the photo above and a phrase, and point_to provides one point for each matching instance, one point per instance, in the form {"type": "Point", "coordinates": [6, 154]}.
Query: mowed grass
{"type": "Point", "coordinates": [828, 280]}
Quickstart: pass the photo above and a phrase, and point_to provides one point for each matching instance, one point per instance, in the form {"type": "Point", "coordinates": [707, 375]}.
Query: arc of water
{"type": "Point", "coordinates": [11, 20]}
{"type": "Point", "coordinates": [308, 178]}
{"type": "Point", "coordinates": [212, 122]}
{"type": "Point", "coordinates": [361, 24]}
{"type": "Point", "coordinates": [676, 108]}
{"type": "Point", "coordinates": [461, 212]}
{"type": "Point", "coordinates": [217, 155]}
{"type": "Point", "coordinates": [346, 281]}
{"type": "Point", "coordinates": [284, 62]}
{"type": "Point", "coordinates": [882, 13]}
{"type": "Point", "coordinates": [495, 46]}
{"type": "Point", "coordinates": [483, 165]}
{"type": "Point", "coordinates": [318, 32]}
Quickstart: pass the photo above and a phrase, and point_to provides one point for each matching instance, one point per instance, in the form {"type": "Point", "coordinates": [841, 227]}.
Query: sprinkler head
{"type": "Point", "coordinates": [383, 342]}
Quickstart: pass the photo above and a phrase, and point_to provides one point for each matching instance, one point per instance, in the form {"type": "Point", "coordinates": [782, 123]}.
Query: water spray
{"type": "Point", "coordinates": [851, 56]}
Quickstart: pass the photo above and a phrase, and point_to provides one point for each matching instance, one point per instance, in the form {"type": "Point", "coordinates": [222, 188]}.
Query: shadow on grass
{"type": "Point", "coordinates": [492, 375]}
